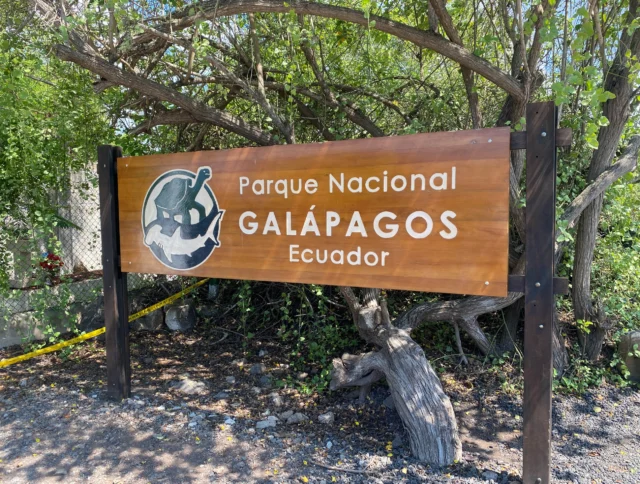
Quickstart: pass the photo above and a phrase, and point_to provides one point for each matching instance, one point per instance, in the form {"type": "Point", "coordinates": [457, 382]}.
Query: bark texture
{"type": "Point", "coordinates": [424, 408]}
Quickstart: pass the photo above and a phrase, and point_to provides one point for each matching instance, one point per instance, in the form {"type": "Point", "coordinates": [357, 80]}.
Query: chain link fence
{"type": "Point", "coordinates": [56, 287]}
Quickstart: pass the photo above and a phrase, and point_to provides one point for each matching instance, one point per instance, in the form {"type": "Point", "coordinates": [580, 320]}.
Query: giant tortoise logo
{"type": "Point", "coordinates": [181, 218]}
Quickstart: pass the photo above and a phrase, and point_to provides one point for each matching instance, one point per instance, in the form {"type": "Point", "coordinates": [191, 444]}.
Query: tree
{"type": "Point", "coordinates": [50, 123]}
{"type": "Point", "coordinates": [218, 74]}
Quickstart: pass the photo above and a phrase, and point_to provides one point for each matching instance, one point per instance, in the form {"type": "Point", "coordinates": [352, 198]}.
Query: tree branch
{"type": "Point", "coordinates": [627, 163]}
{"type": "Point", "coordinates": [307, 114]}
{"type": "Point", "coordinates": [352, 301]}
{"type": "Point", "coordinates": [176, 116]}
{"type": "Point", "coordinates": [467, 73]}
{"type": "Point", "coordinates": [352, 370]}
{"type": "Point", "coordinates": [427, 39]}
{"type": "Point", "coordinates": [258, 95]}
{"type": "Point", "coordinates": [352, 113]}
{"type": "Point", "coordinates": [462, 310]}
{"type": "Point", "coordinates": [200, 111]}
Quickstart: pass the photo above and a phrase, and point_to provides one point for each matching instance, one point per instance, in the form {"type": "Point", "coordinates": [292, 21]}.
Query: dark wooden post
{"type": "Point", "coordinates": [115, 282]}
{"type": "Point", "coordinates": [538, 291]}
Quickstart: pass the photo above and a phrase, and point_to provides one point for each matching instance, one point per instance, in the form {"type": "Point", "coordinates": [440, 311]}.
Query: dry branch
{"type": "Point", "coordinates": [427, 39]}
{"type": "Point", "coordinates": [467, 74]}
{"type": "Point", "coordinates": [198, 110]}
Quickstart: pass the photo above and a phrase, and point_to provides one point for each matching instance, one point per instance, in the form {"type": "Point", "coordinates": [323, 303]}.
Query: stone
{"type": "Point", "coordinates": [152, 322]}
{"type": "Point", "coordinates": [213, 291]}
{"type": "Point", "coordinates": [297, 418]}
{"type": "Point", "coordinates": [302, 376]}
{"type": "Point", "coordinates": [229, 421]}
{"type": "Point", "coordinates": [389, 403]}
{"type": "Point", "coordinates": [329, 445]}
{"type": "Point", "coordinates": [256, 390]}
{"type": "Point", "coordinates": [93, 315]}
{"type": "Point", "coordinates": [326, 418]}
{"type": "Point", "coordinates": [271, 421]}
{"type": "Point", "coordinates": [490, 475]}
{"type": "Point", "coordinates": [238, 465]}
{"type": "Point", "coordinates": [190, 387]}
{"type": "Point", "coordinates": [627, 341]}
{"type": "Point", "coordinates": [181, 316]}
{"type": "Point", "coordinates": [27, 326]}
{"type": "Point", "coordinates": [258, 369]}
{"type": "Point", "coordinates": [206, 311]}
{"type": "Point", "coordinates": [24, 382]}
{"type": "Point", "coordinates": [286, 415]}
{"type": "Point", "coordinates": [265, 381]}
{"type": "Point", "coordinates": [276, 400]}
{"type": "Point", "coordinates": [262, 353]}
{"type": "Point", "coordinates": [231, 380]}
{"type": "Point", "coordinates": [221, 396]}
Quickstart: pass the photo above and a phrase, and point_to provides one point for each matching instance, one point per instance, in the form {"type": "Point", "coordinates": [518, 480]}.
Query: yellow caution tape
{"type": "Point", "coordinates": [169, 300]}
{"type": "Point", "coordinates": [98, 332]}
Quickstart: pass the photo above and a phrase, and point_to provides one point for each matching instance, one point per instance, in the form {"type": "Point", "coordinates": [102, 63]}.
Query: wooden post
{"type": "Point", "coordinates": [538, 290]}
{"type": "Point", "coordinates": [114, 281]}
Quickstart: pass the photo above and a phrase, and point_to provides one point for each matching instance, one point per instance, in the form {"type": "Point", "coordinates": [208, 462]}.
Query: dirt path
{"type": "Point", "coordinates": [195, 410]}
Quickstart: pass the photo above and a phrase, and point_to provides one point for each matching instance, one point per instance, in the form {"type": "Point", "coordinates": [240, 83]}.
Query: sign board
{"type": "Point", "coordinates": [425, 212]}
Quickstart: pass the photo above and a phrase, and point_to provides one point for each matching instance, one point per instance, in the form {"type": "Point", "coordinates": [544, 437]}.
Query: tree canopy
{"type": "Point", "coordinates": [180, 75]}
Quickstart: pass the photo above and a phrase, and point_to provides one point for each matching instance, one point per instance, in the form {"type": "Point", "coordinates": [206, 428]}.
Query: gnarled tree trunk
{"type": "Point", "coordinates": [424, 408]}
{"type": "Point", "coordinates": [616, 110]}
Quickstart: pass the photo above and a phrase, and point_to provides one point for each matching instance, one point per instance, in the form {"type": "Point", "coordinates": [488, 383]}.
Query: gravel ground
{"type": "Point", "coordinates": [597, 438]}
{"type": "Point", "coordinates": [195, 410]}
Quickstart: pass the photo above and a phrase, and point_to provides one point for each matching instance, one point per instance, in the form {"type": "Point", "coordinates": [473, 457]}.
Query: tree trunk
{"type": "Point", "coordinates": [616, 111]}
{"type": "Point", "coordinates": [560, 354]}
{"type": "Point", "coordinates": [420, 400]}
{"type": "Point", "coordinates": [424, 408]}
{"type": "Point", "coordinates": [591, 341]}
{"type": "Point", "coordinates": [507, 341]}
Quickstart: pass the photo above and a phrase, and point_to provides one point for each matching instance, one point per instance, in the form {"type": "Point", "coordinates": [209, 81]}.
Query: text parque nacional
{"type": "Point", "coordinates": [384, 225]}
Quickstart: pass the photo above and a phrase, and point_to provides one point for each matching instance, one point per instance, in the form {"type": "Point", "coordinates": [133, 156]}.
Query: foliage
{"type": "Point", "coordinates": [371, 83]}
{"type": "Point", "coordinates": [309, 321]}
{"type": "Point", "coordinates": [50, 125]}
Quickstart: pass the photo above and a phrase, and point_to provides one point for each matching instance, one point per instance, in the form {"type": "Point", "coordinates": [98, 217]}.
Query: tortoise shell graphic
{"type": "Point", "coordinates": [181, 218]}
{"type": "Point", "coordinates": [178, 196]}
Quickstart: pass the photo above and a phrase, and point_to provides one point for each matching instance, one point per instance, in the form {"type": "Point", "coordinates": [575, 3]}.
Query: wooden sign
{"type": "Point", "coordinates": [426, 212]}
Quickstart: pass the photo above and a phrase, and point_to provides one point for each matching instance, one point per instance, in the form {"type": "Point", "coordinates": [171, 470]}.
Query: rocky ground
{"type": "Point", "coordinates": [212, 412]}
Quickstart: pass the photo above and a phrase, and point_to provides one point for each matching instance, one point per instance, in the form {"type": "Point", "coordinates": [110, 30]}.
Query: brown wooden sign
{"type": "Point", "coordinates": [426, 212]}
